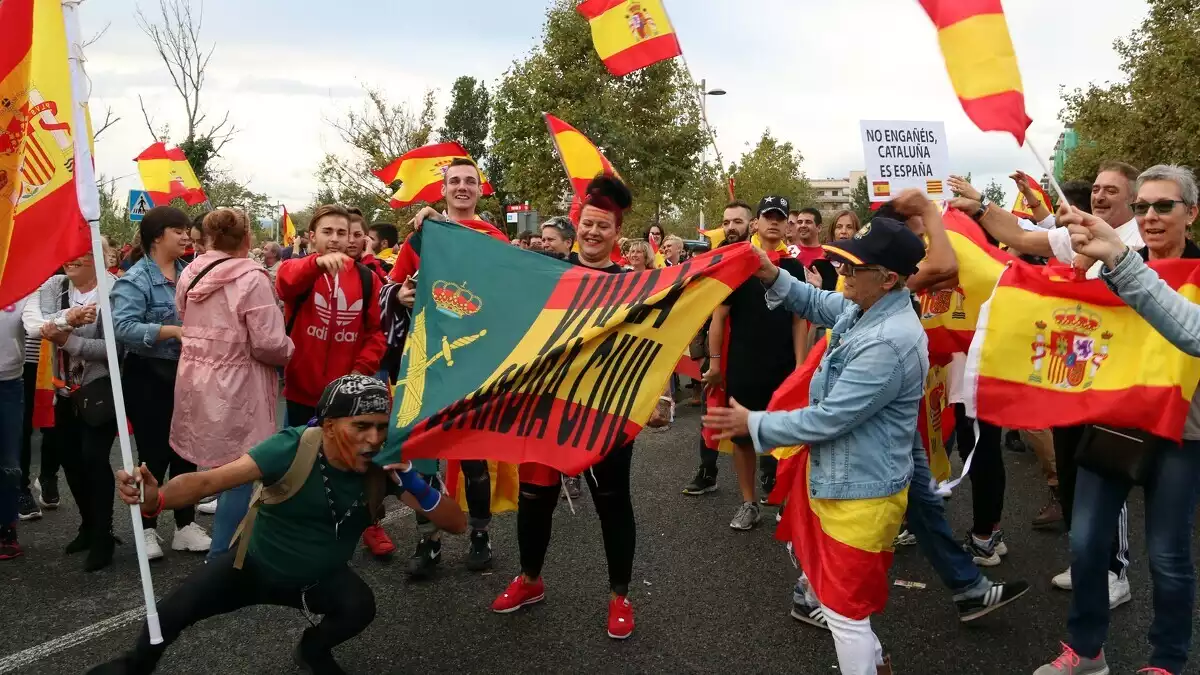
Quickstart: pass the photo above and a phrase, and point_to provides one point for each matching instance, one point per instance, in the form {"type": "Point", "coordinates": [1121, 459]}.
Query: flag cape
{"type": "Point", "coordinates": [289, 228]}
{"type": "Point", "coordinates": [167, 174]}
{"type": "Point", "coordinates": [41, 225]}
{"type": "Point", "coordinates": [630, 35]}
{"type": "Point", "coordinates": [581, 159]}
{"type": "Point", "coordinates": [504, 481]}
{"type": "Point", "coordinates": [559, 373]}
{"type": "Point", "coordinates": [1051, 352]}
{"type": "Point", "coordinates": [422, 172]}
{"type": "Point", "coordinates": [1023, 209]}
{"type": "Point", "coordinates": [979, 55]}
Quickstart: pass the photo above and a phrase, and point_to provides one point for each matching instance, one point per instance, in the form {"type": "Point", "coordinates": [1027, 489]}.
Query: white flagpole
{"type": "Point", "coordinates": [89, 203]}
{"type": "Point", "coordinates": [1062, 197]}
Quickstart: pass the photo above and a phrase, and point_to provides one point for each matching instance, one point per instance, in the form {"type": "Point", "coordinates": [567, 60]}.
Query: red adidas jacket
{"type": "Point", "coordinates": [330, 338]}
{"type": "Point", "coordinates": [407, 260]}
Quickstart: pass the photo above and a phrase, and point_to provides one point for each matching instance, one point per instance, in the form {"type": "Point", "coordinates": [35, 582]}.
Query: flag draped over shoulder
{"type": "Point", "coordinates": [518, 357]}
{"type": "Point", "coordinates": [289, 228]}
{"type": "Point", "coordinates": [983, 67]}
{"type": "Point", "coordinates": [1053, 352]}
{"type": "Point", "coordinates": [167, 174]}
{"type": "Point", "coordinates": [41, 225]}
{"type": "Point", "coordinates": [421, 173]}
{"type": "Point", "coordinates": [630, 34]}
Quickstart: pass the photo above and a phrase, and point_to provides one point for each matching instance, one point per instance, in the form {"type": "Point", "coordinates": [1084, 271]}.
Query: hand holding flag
{"type": "Point", "coordinates": [1092, 237]}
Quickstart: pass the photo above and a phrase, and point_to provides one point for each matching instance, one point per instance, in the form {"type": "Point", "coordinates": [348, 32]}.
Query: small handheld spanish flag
{"type": "Point", "coordinates": [166, 175]}
{"type": "Point", "coordinates": [289, 228]}
{"type": "Point", "coordinates": [630, 34]}
{"type": "Point", "coordinates": [421, 173]}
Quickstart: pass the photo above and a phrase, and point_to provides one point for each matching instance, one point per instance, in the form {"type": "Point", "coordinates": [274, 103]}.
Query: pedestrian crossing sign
{"type": "Point", "coordinates": [139, 204]}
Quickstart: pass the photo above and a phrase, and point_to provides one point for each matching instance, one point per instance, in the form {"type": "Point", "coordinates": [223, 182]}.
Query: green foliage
{"type": "Point", "coordinates": [860, 200]}
{"type": "Point", "coordinates": [199, 151]}
{"type": "Point", "coordinates": [995, 194]}
{"type": "Point", "coordinates": [1153, 115]}
{"type": "Point", "coordinates": [772, 168]}
{"type": "Point", "coordinates": [646, 123]}
{"type": "Point", "coordinates": [114, 221]}
{"type": "Point", "coordinates": [469, 117]}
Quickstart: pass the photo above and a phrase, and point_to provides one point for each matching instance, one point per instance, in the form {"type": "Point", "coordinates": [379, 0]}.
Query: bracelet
{"type": "Point", "coordinates": [162, 501]}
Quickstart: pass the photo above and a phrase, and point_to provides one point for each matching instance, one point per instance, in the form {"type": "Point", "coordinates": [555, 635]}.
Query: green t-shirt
{"type": "Point", "coordinates": [295, 539]}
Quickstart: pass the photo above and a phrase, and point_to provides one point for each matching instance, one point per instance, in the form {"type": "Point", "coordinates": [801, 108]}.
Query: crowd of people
{"type": "Point", "coordinates": [213, 331]}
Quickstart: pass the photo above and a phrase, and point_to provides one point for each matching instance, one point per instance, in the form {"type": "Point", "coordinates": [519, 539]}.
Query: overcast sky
{"type": "Point", "coordinates": [809, 71]}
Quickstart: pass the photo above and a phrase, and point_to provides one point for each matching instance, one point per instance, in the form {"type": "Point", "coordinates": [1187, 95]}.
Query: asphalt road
{"type": "Point", "coordinates": [707, 599]}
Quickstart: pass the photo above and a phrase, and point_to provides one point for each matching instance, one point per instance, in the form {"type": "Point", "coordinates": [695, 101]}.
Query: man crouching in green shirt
{"type": "Point", "coordinates": [303, 530]}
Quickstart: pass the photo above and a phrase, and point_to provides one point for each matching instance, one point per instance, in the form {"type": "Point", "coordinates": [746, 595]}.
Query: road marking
{"type": "Point", "coordinates": [86, 634]}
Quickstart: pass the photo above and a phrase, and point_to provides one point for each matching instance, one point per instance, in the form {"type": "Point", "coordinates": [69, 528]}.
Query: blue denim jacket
{"type": "Point", "coordinates": [143, 302]}
{"type": "Point", "coordinates": [861, 421]}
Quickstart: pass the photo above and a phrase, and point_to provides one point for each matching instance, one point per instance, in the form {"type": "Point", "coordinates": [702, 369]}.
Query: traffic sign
{"type": "Point", "coordinates": [139, 204]}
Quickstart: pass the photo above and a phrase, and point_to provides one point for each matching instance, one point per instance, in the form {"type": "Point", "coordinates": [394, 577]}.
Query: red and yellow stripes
{"type": "Point", "coordinates": [982, 64]}
{"type": "Point", "coordinates": [1058, 353]}
{"type": "Point", "coordinates": [422, 173]}
{"type": "Point", "coordinates": [167, 174]}
{"type": "Point", "coordinates": [581, 159]}
{"type": "Point", "coordinates": [630, 34]}
{"type": "Point", "coordinates": [289, 228]}
{"type": "Point", "coordinates": [1022, 208]}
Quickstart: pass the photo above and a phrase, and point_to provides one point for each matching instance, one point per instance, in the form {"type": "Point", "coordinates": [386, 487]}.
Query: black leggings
{"type": "Point", "coordinates": [345, 600]}
{"type": "Point", "coordinates": [987, 470]}
{"type": "Point", "coordinates": [85, 452]}
{"type": "Point", "coordinates": [478, 488]}
{"type": "Point", "coordinates": [609, 484]}
{"type": "Point", "coordinates": [50, 463]}
{"type": "Point", "coordinates": [151, 397]}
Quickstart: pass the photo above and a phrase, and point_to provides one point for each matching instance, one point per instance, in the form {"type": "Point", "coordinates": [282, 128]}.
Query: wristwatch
{"type": "Point", "coordinates": [983, 207]}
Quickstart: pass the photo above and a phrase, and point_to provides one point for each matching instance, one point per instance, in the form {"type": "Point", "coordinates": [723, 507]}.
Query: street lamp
{"type": "Point", "coordinates": [705, 92]}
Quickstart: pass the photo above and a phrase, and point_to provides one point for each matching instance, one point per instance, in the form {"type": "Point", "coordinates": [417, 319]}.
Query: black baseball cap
{"type": "Point", "coordinates": [773, 203]}
{"type": "Point", "coordinates": [885, 242]}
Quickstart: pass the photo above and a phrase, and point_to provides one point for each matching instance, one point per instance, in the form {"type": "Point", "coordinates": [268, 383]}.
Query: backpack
{"type": "Point", "coordinates": [365, 276]}
{"type": "Point", "coordinates": [292, 482]}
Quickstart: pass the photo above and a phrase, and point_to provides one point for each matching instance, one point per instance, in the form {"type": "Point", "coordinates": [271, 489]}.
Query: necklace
{"type": "Point", "coordinates": [337, 522]}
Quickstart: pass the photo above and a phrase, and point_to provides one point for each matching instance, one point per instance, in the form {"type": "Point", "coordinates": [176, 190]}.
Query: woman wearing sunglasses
{"type": "Point", "coordinates": [1166, 204]}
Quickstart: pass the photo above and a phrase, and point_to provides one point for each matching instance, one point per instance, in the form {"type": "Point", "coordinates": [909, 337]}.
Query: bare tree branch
{"type": "Point", "coordinates": [96, 38]}
{"type": "Point", "coordinates": [146, 116]}
{"type": "Point", "coordinates": [109, 120]}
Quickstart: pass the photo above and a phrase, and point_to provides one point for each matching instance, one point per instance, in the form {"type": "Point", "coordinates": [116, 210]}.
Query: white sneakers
{"type": "Point", "coordinates": [1118, 588]}
{"type": "Point", "coordinates": [153, 548]}
{"type": "Point", "coordinates": [207, 508]}
{"type": "Point", "coordinates": [191, 538]}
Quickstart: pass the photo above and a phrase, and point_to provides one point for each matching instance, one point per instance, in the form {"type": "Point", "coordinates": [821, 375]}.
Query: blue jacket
{"type": "Point", "coordinates": [861, 421]}
{"type": "Point", "coordinates": [143, 302]}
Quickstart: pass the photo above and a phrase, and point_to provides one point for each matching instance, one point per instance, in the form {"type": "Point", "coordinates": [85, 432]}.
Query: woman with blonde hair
{"type": "Point", "coordinates": [843, 226]}
{"type": "Point", "coordinates": [639, 255]}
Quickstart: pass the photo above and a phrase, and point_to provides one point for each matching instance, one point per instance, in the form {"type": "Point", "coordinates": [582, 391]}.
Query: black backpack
{"type": "Point", "coordinates": [365, 276]}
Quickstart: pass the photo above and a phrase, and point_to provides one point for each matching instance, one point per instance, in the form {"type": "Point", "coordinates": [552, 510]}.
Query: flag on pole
{"type": "Point", "coordinates": [630, 34]}
{"type": "Point", "coordinates": [421, 173]}
{"type": "Point", "coordinates": [982, 64]}
{"type": "Point", "coordinates": [581, 159]}
{"type": "Point", "coordinates": [167, 174]}
{"type": "Point", "coordinates": [289, 228]}
{"type": "Point", "coordinates": [41, 225]}
{"type": "Point", "coordinates": [1022, 208]}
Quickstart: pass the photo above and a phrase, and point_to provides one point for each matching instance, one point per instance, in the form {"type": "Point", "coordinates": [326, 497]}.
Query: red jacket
{"type": "Point", "coordinates": [407, 260]}
{"type": "Point", "coordinates": [330, 338]}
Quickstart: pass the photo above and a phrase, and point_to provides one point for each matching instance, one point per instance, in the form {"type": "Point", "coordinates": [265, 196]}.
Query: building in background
{"type": "Point", "coordinates": [833, 194]}
{"type": "Point", "coordinates": [1068, 140]}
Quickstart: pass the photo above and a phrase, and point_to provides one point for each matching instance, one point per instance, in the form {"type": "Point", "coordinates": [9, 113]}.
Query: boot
{"type": "Point", "coordinates": [100, 552]}
{"type": "Point", "coordinates": [1051, 514]}
{"type": "Point", "coordinates": [886, 668]}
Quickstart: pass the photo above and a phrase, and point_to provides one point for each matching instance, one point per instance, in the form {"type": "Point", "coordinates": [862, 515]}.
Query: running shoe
{"type": "Point", "coordinates": [620, 618]}
{"type": "Point", "coordinates": [519, 594]}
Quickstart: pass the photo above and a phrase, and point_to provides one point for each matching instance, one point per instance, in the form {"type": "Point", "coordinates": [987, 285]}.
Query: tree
{"type": "Point", "coordinates": [1153, 115]}
{"type": "Point", "coordinates": [860, 200]}
{"type": "Point", "coordinates": [376, 134]}
{"type": "Point", "coordinates": [769, 168]}
{"type": "Point", "coordinates": [114, 221]}
{"type": "Point", "coordinates": [995, 194]}
{"type": "Point", "coordinates": [647, 123]}
{"type": "Point", "coordinates": [469, 117]}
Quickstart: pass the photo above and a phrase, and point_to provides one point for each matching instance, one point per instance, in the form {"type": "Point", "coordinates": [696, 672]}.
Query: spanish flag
{"type": "Point", "coordinates": [630, 34]}
{"type": "Point", "coordinates": [1055, 352]}
{"type": "Point", "coordinates": [581, 159]}
{"type": "Point", "coordinates": [167, 175]}
{"type": "Point", "coordinates": [982, 64]}
{"type": "Point", "coordinates": [504, 479]}
{"type": "Point", "coordinates": [41, 225]}
{"type": "Point", "coordinates": [1023, 209]}
{"type": "Point", "coordinates": [289, 228]}
{"type": "Point", "coordinates": [422, 172]}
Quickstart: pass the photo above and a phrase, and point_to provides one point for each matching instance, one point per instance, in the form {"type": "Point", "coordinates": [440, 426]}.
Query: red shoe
{"type": "Point", "coordinates": [518, 594]}
{"type": "Point", "coordinates": [9, 547]}
{"type": "Point", "coordinates": [620, 618]}
{"type": "Point", "coordinates": [375, 539]}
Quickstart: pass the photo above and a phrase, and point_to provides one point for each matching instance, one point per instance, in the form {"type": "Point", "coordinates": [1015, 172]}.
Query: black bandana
{"type": "Point", "coordinates": [353, 395]}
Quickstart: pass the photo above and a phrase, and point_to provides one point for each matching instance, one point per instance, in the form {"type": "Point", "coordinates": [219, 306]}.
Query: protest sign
{"type": "Point", "coordinates": [902, 155]}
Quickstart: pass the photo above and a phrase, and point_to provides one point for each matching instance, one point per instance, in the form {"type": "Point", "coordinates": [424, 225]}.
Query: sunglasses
{"type": "Point", "coordinates": [1162, 207]}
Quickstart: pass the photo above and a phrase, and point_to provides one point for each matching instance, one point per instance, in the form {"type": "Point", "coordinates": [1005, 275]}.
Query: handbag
{"type": "Point", "coordinates": [94, 402]}
{"type": "Point", "coordinates": [1121, 454]}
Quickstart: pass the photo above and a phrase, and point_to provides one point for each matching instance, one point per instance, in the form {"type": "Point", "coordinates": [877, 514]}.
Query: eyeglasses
{"type": "Point", "coordinates": [848, 270]}
{"type": "Point", "coordinates": [1162, 207]}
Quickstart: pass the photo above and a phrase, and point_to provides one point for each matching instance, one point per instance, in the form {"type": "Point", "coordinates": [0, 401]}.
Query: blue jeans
{"type": "Point", "coordinates": [927, 520]}
{"type": "Point", "coordinates": [1171, 492]}
{"type": "Point", "coordinates": [12, 407]}
{"type": "Point", "coordinates": [232, 506]}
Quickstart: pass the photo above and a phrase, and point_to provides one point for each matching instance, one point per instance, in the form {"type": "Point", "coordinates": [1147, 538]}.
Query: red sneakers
{"type": "Point", "coordinates": [518, 594]}
{"type": "Point", "coordinates": [620, 618]}
{"type": "Point", "coordinates": [376, 539]}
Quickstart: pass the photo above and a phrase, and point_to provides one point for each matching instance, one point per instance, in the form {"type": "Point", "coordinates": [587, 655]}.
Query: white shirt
{"type": "Point", "coordinates": [1060, 243]}
{"type": "Point", "coordinates": [1029, 226]}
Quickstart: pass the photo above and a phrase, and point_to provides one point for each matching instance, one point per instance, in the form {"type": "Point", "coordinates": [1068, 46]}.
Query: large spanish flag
{"type": "Point", "coordinates": [1022, 208]}
{"type": "Point", "coordinates": [289, 228]}
{"type": "Point", "coordinates": [559, 374]}
{"type": "Point", "coordinates": [421, 173]}
{"type": "Point", "coordinates": [630, 34]}
{"type": "Point", "coordinates": [982, 64]}
{"type": "Point", "coordinates": [167, 175]}
{"type": "Point", "coordinates": [41, 225]}
{"type": "Point", "coordinates": [1054, 352]}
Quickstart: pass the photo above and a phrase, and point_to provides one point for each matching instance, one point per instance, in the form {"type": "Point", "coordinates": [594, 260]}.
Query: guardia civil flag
{"type": "Point", "coordinates": [289, 228]}
{"type": "Point", "coordinates": [1022, 208]}
{"type": "Point", "coordinates": [1055, 352]}
{"type": "Point", "coordinates": [167, 175]}
{"type": "Point", "coordinates": [422, 172]}
{"type": "Point", "coordinates": [519, 357]}
{"type": "Point", "coordinates": [630, 34]}
{"type": "Point", "coordinates": [41, 225]}
{"type": "Point", "coordinates": [982, 64]}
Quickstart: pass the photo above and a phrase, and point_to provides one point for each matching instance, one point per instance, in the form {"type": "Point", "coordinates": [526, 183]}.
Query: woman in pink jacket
{"type": "Point", "coordinates": [226, 391]}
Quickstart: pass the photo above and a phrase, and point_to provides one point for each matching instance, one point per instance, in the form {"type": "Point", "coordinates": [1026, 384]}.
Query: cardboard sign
{"type": "Point", "coordinates": [903, 155]}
